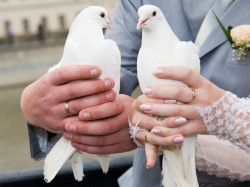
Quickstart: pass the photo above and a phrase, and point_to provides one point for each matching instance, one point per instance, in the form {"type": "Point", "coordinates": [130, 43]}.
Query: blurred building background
{"type": "Point", "coordinates": [32, 36]}
{"type": "Point", "coordinates": [31, 20]}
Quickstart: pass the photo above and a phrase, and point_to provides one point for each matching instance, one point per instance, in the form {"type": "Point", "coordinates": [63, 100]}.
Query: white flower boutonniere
{"type": "Point", "coordinates": [241, 40]}
{"type": "Point", "coordinates": [239, 37]}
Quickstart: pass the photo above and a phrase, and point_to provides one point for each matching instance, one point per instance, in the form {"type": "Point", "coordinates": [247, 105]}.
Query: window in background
{"type": "Point", "coordinates": [62, 22]}
{"type": "Point", "coordinates": [26, 26]}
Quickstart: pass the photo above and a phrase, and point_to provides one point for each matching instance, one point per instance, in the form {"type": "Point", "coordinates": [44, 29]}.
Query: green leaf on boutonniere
{"type": "Point", "coordinates": [226, 32]}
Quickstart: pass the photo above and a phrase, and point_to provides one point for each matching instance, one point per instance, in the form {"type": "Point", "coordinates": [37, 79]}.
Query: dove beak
{"type": "Point", "coordinates": [141, 23]}
{"type": "Point", "coordinates": [108, 24]}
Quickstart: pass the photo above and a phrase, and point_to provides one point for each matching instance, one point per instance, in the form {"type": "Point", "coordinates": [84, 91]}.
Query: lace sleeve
{"type": "Point", "coordinates": [221, 158]}
{"type": "Point", "coordinates": [229, 119]}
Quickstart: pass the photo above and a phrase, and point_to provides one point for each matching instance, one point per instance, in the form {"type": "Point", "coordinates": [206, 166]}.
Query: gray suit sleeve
{"type": "Point", "coordinates": [41, 141]}
{"type": "Point", "coordinates": [128, 39]}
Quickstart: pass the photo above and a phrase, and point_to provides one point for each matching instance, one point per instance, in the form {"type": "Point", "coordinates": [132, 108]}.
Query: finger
{"type": "Point", "coordinates": [105, 140]}
{"type": "Point", "coordinates": [97, 127]}
{"type": "Point", "coordinates": [71, 73]}
{"type": "Point", "coordinates": [169, 93]}
{"type": "Point", "coordinates": [76, 105]}
{"type": "Point", "coordinates": [109, 149]}
{"type": "Point", "coordinates": [78, 89]}
{"type": "Point", "coordinates": [186, 111]}
{"type": "Point", "coordinates": [150, 121]}
{"type": "Point", "coordinates": [102, 111]}
{"type": "Point", "coordinates": [191, 128]}
{"type": "Point", "coordinates": [173, 72]}
{"type": "Point", "coordinates": [151, 152]}
{"type": "Point", "coordinates": [158, 140]}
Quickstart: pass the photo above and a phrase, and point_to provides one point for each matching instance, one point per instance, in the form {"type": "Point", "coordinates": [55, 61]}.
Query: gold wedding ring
{"type": "Point", "coordinates": [194, 95]}
{"type": "Point", "coordinates": [67, 108]}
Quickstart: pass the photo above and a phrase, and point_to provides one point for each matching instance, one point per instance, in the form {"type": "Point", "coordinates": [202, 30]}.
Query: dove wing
{"type": "Point", "coordinates": [106, 55]}
{"type": "Point", "coordinates": [187, 54]}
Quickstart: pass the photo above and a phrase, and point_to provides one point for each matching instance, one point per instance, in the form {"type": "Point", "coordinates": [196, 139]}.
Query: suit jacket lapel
{"type": "Point", "coordinates": [195, 11]}
{"type": "Point", "coordinates": [230, 18]}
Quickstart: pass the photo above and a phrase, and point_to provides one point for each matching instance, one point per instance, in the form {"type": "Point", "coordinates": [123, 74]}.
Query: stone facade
{"type": "Point", "coordinates": [36, 18]}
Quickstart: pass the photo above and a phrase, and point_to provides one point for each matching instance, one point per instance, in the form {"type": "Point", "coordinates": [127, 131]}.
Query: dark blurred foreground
{"type": "Point", "coordinates": [93, 175]}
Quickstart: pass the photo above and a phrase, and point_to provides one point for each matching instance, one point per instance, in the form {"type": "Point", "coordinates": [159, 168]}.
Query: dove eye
{"type": "Point", "coordinates": [154, 13]}
{"type": "Point", "coordinates": [102, 15]}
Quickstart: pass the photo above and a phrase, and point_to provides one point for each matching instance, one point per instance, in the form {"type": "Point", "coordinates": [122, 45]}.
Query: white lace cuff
{"type": "Point", "coordinates": [229, 119]}
{"type": "Point", "coordinates": [133, 130]}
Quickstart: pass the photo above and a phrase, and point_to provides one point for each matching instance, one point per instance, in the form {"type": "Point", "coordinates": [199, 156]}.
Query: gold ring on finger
{"type": "Point", "coordinates": [193, 94]}
{"type": "Point", "coordinates": [67, 108]}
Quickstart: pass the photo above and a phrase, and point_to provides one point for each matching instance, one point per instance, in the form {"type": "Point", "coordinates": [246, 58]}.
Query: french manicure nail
{"type": "Point", "coordinates": [178, 140]}
{"type": "Point", "coordinates": [86, 115]}
{"type": "Point", "coordinates": [180, 121]}
{"type": "Point", "coordinates": [145, 107]}
{"type": "Point", "coordinates": [147, 91]}
{"type": "Point", "coordinates": [72, 128]}
{"type": "Point", "coordinates": [167, 101]}
{"type": "Point", "coordinates": [158, 71]}
{"type": "Point", "coordinates": [156, 131]}
{"type": "Point", "coordinates": [94, 72]}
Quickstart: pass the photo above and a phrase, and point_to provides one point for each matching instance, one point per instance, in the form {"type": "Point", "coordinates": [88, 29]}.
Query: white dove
{"type": "Point", "coordinates": [160, 47]}
{"type": "Point", "coordinates": [85, 44]}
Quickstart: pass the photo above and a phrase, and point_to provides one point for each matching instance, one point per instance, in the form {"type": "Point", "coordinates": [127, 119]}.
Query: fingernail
{"type": "Point", "coordinates": [72, 128]}
{"type": "Point", "coordinates": [180, 121]}
{"type": "Point", "coordinates": [147, 91]}
{"type": "Point", "coordinates": [145, 107]}
{"type": "Point", "coordinates": [166, 101]}
{"type": "Point", "coordinates": [178, 140]}
{"type": "Point", "coordinates": [107, 83]}
{"type": "Point", "coordinates": [68, 135]}
{"type": "Point", "coordinates": [94, 72]}
{"type": "Point", "coordinates": [86, 115]}
{"type": "Point", "coordinates": [158, 71]}
{"type": "Point", "coordinates": [109, 96]}
{"type": "Point", "coordinates": [156, 131]}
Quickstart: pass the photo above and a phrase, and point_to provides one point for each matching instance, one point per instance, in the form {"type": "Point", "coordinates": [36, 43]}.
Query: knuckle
{"type": "Point", "coordinates": [60, 74]}
{"type": "Point", "coordinates": [71, 90]}
{"type": "Point", "coordinates": [188, 72]}
{"type": "Point", "coordinates": [177, 111]}
{"type": "Point", "coordinates": [108, 128]}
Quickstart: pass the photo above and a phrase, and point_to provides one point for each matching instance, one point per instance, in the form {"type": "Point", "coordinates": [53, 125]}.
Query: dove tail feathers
{"type": "Point", "coordinates": [104, 162]}
{"type": "Point", "coordinates": [179, 164]}
{"type": "Point", "coordinates": [58, 155]}
{"type": "Point", "coordinates": [77, 165]}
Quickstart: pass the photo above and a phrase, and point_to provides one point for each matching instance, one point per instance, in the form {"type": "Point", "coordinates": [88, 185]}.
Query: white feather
{"type": "Point", "coordinates": [85, 44]}
{"type": "Point", "coordinates": [77, 165]}
{"type": "Point", "coordinates": [161, 47]}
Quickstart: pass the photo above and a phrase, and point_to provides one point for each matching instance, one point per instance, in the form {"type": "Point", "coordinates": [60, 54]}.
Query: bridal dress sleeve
{"type": "Point", "coordinates": [221, 158]}
{"type": "Point", "coordinates": [229, 119]}
{"type": "Point", "coordinates": [225, 151]}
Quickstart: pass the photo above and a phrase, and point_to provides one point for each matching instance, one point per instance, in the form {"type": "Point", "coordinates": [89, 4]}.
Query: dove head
{"type": "Point", "coordinates": [98, 14]}
{"type": "Point", "coordinates": [149, 16]}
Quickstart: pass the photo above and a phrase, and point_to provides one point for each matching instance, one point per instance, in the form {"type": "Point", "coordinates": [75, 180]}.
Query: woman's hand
{"type": "Point", "coordinates": [160, 100]}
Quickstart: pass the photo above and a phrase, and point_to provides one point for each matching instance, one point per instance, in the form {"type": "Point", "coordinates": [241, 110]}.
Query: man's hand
{"type": "Point", "coordinates": [103, 129]}
{"type": "Point", "coordinates": [43, 102]}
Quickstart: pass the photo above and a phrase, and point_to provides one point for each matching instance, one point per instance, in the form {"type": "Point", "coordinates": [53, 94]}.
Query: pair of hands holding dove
{"type": "Point", "coordinates": [178, 106]}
